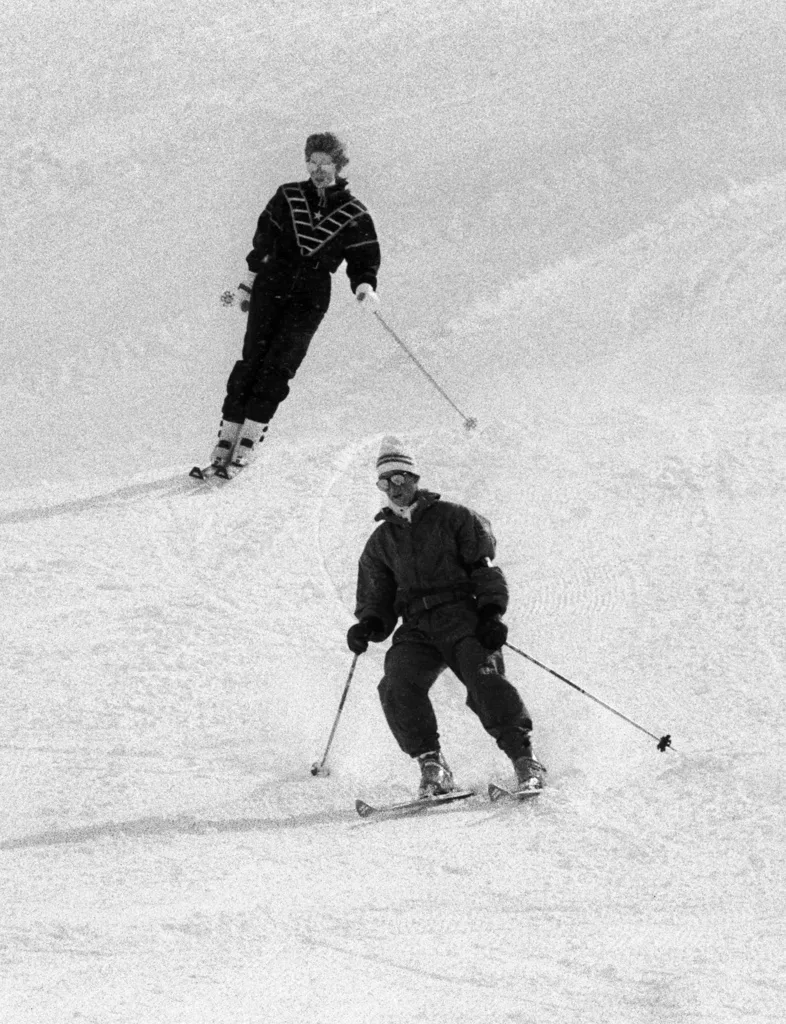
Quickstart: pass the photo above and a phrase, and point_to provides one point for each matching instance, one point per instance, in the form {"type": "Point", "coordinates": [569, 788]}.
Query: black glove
{"type": "Point", "coordinates": [359, 634]}
{"type": "Point", "coordinates": [244, 295]}
{"type": "Point", "coordinates": [491, 630]}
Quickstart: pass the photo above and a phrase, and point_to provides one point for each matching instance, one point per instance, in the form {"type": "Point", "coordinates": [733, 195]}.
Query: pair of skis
{"type": "Point", "coordinates": [406, 807]}
{"type": "Point", "coordinates": [228, 472]}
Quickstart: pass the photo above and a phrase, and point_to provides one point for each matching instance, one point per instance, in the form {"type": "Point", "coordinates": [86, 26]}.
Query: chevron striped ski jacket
{"type": "Point", "coordinates": [317, 229]}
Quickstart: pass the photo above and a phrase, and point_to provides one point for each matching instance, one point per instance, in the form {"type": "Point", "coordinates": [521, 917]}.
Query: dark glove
{"type": "Point", "coordinates": [491, 630]}
{"type": "Point", "coordinates": [242, 295]}
{"type": "Point", "coordinates": [358, 635]}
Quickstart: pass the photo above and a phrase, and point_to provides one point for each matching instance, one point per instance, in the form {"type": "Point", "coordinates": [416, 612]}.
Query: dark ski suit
{"type": "Point", "coordinates": [302, 237]}
{"type": "Point", "coordinates": [434, 574]}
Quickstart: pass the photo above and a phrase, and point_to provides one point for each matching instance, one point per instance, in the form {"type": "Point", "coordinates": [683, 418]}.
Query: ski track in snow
{"type": "Point", "coordinates": [176, 752]}
{"type": "Point", "coordinates": [584, 245]}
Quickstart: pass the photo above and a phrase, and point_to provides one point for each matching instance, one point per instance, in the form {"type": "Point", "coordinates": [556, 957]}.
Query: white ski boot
{"type": "Point", "coordinates": [250, 437]}
{"type": "Point", "coordinates": [227, 436]}
{"type": "Point", "coordinates": [529, 774]}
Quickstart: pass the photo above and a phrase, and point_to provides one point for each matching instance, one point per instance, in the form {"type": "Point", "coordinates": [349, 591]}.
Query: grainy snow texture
{"type": "Point", "coordinates": [582, 207]}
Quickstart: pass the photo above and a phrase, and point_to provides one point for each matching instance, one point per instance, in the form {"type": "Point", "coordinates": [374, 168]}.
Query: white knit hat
{"type": "Point", "coordinates": [393, 458]}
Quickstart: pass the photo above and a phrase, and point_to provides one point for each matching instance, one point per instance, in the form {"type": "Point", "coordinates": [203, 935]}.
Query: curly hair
{"type": "Point", "coordinates": [327, 142]}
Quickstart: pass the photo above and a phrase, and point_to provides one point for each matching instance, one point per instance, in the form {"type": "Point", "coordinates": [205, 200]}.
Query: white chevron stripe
{"type": "Point", "coordinates": [312, 237]}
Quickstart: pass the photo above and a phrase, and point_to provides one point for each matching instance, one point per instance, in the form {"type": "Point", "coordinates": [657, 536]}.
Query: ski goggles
{"type": "Point", "coordinates": [398, 479]}
{"type": "Point", "coordinates": [320, 165]}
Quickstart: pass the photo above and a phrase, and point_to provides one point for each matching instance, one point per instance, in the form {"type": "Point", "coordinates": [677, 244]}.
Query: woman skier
{"type": "Point", "coordinates": [303, 235]}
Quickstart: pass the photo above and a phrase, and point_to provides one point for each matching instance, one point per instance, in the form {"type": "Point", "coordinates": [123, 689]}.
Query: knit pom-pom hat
{"type": "Point", "coordinates": [393, 458]}
{"type": "Point", "coordinates": [327, 142]}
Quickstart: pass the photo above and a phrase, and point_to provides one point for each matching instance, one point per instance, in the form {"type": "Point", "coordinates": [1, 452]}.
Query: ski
{"type": "Point", "coordinates": [411, 806]}
{"type": "Point", "coordinates": [203, 472]}
{"type": "Point", "coordinates": [229, 472]}
{"type": "Point", "coordinates": [500, 793]}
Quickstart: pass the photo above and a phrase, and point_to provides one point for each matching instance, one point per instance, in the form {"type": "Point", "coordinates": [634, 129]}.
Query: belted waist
{"type": "Point", "coordinates": [301, 262]}
{"type": "Point", "coordinates": [314, 263]}
{"type": "Point", "coordinates": [424, 600]}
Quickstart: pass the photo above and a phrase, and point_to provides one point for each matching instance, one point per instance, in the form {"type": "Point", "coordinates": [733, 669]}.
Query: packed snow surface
{"type": "Point", "coordinates": [582, 207]}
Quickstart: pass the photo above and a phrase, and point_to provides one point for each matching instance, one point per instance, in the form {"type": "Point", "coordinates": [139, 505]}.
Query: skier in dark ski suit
{"type": "Point", "coordinates": [428, 564]}
{"type": "Point", "coordinates": [303, 235]}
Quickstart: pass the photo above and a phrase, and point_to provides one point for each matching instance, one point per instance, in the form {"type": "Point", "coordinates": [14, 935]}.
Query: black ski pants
{"type": "Point", "coordinates": [416, 659]}
{"type": "Point", "coordinates": [285, 311]}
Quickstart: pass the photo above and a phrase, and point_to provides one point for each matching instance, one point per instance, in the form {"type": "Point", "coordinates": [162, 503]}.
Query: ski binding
{"type": "Point", "coordinates": [500, 793]}
{"type": "Point", "coordinates": [229, 471]}
{"type": "Point", "coordinates": [412, 806]}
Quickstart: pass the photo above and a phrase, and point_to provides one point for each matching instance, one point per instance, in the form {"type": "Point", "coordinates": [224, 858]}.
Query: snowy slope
{"type": "Point", "coordinates": [582, 213]}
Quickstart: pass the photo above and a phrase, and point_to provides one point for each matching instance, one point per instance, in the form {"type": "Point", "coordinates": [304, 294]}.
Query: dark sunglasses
{"type": "Point", "coordinates": [399, 479]}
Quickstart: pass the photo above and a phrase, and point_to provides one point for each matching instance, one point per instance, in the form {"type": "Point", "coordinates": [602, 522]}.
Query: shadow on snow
{"type": "Point", "coordinates": [173, 485]}
{"type": "Point", "coordinates": [179, 825]}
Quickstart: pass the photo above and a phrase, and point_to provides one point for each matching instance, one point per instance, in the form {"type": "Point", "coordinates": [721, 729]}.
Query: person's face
{"type": "Point", "coordinates": [321, 169]}
{"type": "Point", "coordinates": [399, 487]}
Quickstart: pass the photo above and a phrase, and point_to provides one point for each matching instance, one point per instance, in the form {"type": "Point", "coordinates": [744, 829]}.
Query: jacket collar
{"type": "Point", "coordinates": [423, 500]}
{"type": "Point", "coordinates": [339, 186]}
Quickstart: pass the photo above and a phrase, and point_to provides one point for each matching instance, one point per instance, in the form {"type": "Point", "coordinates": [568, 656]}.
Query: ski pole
{"type": "Point", "coordinates": [318, 767]}
{"type": "Point", "coordinates": [469, 422]}
{"type": "Point", "coordinates": [663, 741]}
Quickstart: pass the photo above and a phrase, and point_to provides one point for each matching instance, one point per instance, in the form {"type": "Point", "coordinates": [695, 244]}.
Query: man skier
{"type": "Point", "coordinates": [428, 563]}
{"type": "Point", "coordinates": [303, 235]}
